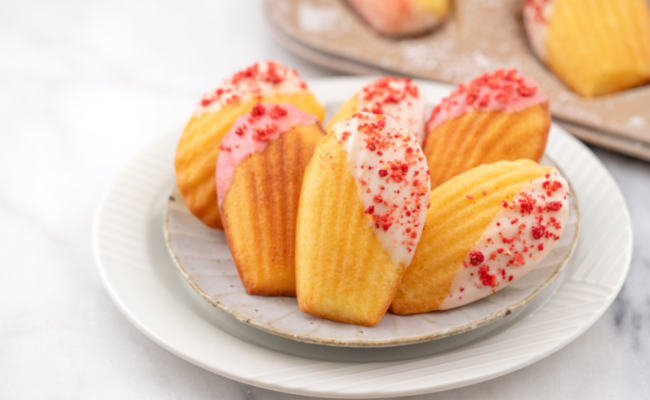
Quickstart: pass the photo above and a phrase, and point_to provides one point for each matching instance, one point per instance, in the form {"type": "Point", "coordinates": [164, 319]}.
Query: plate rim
{"type": "Point", "coordinates": [311, 338]}
{"type": "Point", "coordinates": [106, 265]}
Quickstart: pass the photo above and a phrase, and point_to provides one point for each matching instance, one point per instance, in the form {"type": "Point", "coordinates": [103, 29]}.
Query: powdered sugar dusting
{"type": "Point", "coordinates": [319, 18]}
{"type": "Point", "coordinates": [636, 121]}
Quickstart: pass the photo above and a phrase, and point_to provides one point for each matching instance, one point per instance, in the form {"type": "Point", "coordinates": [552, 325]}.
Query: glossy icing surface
{"type": "Point", "coordinates": [251, 134]}
{"type": "Point", "coordinates": [503, 90]}
{"type": "Point", "coordinates": [536, 14]}
{"type": "Point", "coordinates": [516, 240]}
{"type": "Point", "coordinates": [391, 173]}
{"type": "Point", "coordinates": [257, 81]}
{"type": "Point", "coordinates": [399, 98]}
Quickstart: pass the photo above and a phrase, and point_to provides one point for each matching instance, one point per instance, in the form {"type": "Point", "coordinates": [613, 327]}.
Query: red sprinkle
{"type": "Point", "coordinates": [277, 112]}
{"type": "Point", "coordinates": [264, 134]}
{"type": "Point", "coordinates": [486, 278]}
{"type": "Point", "coordinates": [526, 91]}
{"type": "Point", "coordinates": [538, 232]}
{"type": "Point", "coordinates": [554, 206]}
{"type": "Point", "coordinates": [476, 257]}
{"type": "Point", "coordinates": [519, 260]}
{"type": "Point", "coordinates": [258, 110]}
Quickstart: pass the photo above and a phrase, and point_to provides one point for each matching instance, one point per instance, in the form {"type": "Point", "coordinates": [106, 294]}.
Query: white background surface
{"type": "Point", "coordinates": [84, 86]}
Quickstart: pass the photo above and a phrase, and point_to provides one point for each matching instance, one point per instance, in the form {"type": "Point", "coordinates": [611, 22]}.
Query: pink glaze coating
{"type": "Point", "coordinates": [391, 174]}
{"type": "Point", "coordinates": [521, 234]}
{"type": "Point", "coordinates": [251, 134]}
{"type": "Point", "coordinates": [399, 98]}
{"type": "Point", "coordinates": [504, 90]}
{"type": "Point", "coordinates": [257, 81]}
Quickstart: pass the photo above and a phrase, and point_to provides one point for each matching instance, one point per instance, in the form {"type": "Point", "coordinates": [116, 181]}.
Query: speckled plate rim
{"type": "Point", "coordinates": [398, 341]}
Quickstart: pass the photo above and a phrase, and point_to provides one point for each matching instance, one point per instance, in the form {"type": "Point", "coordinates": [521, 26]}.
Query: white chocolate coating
{"type": "Point", "coordinates": [391, 173]}
{"type": "Point", "coordinates": [399, 98]}
{"type": "Point", "coordinates": [516, 240]}
{"type": "Point", "coordinates": [536, 14]}
{"type": "Point", "coordinates": [259, 80]}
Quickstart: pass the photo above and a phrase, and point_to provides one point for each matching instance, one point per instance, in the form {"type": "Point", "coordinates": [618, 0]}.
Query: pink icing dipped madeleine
{"type": "Point", "coordinates": [485, 229]}
{"type": "Point", "coordinates": [399, 98]}
{"type": "Point", "coordinates": [198, 148]}
{"type": "Point", "coordinates": [259, 176]}
{"type": "Point", "coordinates": [402, 17]}
{"type": "Point", "coordinates": [495, 117]}
{"type": "Point", "coordinates": [362, 208]}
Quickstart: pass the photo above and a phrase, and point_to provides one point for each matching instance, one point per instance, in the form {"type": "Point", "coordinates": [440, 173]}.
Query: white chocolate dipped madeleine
{"type": "Point", "coordinates": [361, 215]}
{"type": "Point", "coordinates": [485, 229]}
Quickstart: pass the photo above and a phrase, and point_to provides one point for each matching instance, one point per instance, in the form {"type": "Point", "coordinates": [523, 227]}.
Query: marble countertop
{"type": "Point", "coordinates": [84, 87]}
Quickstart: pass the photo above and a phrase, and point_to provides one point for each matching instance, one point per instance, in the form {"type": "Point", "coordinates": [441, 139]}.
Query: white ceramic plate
{"type": "Point", "coordinates": [203, 258]}
{"type": "Point", "coordinates": [143, 282]}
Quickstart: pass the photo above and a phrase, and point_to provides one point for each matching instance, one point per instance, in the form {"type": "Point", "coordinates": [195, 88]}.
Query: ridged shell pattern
{"type": "Point", "coordinates": [596, 47]}
{"type": "Point", "coordinates": [503, 90]}
{"type": "Point", "coordinates": [343, 272]}
{"type": "Point", "coordinates": [260, 210]}
{"type": "Point", "coordinates": [479, 138]}
{"type": "Point", "coordinates": [198, 150]}
{"type": "Point", "coordinates": [461, 211]}
{"type": "Point", "coordinates": [251, 133]}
